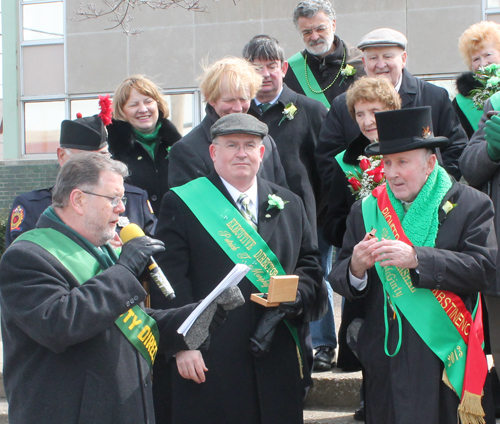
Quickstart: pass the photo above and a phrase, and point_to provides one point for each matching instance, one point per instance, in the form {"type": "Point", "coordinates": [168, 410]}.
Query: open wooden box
{"type": "Point", "coordinates": [282, 288]}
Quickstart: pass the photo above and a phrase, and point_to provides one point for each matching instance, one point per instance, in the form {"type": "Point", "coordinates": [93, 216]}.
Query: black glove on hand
{"type": "Point", "coordinates": [292, 309]}
{"type": "Point", "coordinates": [136, 253]}
{"type": "Point", "coordinates": [260, 342]}
{"type": "Point", "coordinates": [492, 136]}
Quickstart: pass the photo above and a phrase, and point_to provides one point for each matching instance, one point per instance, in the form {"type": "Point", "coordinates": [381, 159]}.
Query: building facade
{"type": "Point", "coordinates": [55, 65]}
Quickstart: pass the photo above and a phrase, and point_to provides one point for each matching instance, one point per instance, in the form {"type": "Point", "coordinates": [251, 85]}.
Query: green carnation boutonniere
{"type": "Point", "coordinates": [288, 113]}
{"type": "Point", "coordinates": [276, 202]}
{"type": "Point", "coordinates": [347, 71]}
{"type": "Point", "coordinates": [448, 207]}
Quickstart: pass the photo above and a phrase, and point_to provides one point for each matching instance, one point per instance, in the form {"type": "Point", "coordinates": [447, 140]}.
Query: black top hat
{"type": "Point", "coordinates": [87, 133]}
{"type": "Point", "coordinates": [404, 129]}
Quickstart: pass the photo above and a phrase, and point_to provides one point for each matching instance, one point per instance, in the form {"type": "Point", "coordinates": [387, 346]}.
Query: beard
{"type": "Point", "coordinates": [321, 46]}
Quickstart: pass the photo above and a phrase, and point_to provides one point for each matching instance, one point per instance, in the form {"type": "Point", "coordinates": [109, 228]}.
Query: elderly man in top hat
{"type": "Point", "coordinates": [328, 65]}
{"type": "Point", "coordinates": [211, 223]}
{"type": "Point", "coordinates": [420, 248]}
{"type": "Point", "coordinates": [86, 134]}
{"type": "Point", "coordinates": [384, 55]}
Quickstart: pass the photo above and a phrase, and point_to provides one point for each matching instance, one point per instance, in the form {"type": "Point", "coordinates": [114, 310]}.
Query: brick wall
{"type": "Point", "coordinates": [18, 177]}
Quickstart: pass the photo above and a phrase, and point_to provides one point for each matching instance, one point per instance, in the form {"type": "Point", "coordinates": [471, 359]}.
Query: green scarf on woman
{"type": "Point", "coordinates": [149, 141]}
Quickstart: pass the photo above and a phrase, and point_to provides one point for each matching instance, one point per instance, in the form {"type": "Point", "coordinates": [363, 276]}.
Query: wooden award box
{"type": "Point", "coordinates": [282, 288]}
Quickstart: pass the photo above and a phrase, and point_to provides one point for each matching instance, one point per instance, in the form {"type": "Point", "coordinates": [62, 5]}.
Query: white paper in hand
{"type": "Point", "coordinates": [231, 279]}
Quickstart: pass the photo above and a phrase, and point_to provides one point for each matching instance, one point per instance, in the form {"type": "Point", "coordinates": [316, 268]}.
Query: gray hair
{"type": "Point", "coordinates": [83, 171]}
{"type": "Point", "coordinates": [263, 47]}
{"type": "Point", "coordinates": [309, 9]}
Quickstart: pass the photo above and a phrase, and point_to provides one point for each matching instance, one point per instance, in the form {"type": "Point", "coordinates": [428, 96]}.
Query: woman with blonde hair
{"type": "Point", "coordinates": [480, 47]}
{"type": "Point", "coordinates": [228, 86]}
{"type": "Point", "coordinates": [141, 135]}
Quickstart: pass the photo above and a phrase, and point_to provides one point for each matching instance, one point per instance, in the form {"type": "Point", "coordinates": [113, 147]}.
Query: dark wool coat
{"type": "Point", "coordinates": [407, 388]}
{"type": "Point", "coordinates": [465, 84]}
{"type": "Point", "coordinates": [31, 205]}
{"type": "Point", "coordinates": [239, 387]}
{"type": "Point", "coordinates": [190, 158]}
{"type": "Point", "coordinates": [296, 141]}
{"type": "Point", "coordinates": [339, 128]}
{"type": "Point", "coordinates": [325, 69]}
{"type": "Point", "coordinates": [483, 173]}
{"type": "Point", "coordinates": [340, 201]}
{"type": "Point", "coordinates": [65, 360]}
{"type": "Point", "coordinates": [146, 173]}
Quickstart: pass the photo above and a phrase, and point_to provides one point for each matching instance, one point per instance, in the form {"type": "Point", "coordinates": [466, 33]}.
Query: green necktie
{"type": "Point", "coordinates": [265, 106]}
{"type": "Point", "coordinates": [244, 202]}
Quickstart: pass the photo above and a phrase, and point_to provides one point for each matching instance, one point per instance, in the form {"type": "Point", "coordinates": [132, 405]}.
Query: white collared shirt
{"type": "Point", "coordinates": [272, 102]}
{"type": "Point", "coordinates": [251, 193]}
{"type": "Point", "coordinates": [398, 85]}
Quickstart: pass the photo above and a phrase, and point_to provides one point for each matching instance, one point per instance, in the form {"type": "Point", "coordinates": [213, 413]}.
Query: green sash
{"type": "Point", "coordinates": [471, 112]}
{"type": "Point", "coordinates": [345, 166]}
{"type": "Point", "coordinates": [427, 312]}
{"type": "Point", "coordinates": [137, 326]}
{"type": "Point", "coordinates": [236, 237]}
{"type": "Point", "coordinates": [299, 66]}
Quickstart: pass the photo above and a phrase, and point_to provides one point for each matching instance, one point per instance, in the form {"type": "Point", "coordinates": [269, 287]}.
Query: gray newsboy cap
{"type": "Point", "coordinates": [383, 37]}
{"type": "Point", "coordinates": [238, 123]}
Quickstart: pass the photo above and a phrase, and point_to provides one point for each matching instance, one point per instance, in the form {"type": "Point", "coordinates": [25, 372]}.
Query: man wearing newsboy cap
{"type": "Point", "coordinates": [384, 55]}
{"type": "Point", "coordinates": [419, 248]}
{"type": "Point", "coordinates": [211, 223]}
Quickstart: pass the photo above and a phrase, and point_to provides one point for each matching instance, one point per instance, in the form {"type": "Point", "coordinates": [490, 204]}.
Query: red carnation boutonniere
{"type": "Point", "coordinates": [370, 176]}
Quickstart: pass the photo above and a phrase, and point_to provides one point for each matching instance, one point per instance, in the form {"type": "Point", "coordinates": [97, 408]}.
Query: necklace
{"type": "Point", "coordinates": [333, 82]}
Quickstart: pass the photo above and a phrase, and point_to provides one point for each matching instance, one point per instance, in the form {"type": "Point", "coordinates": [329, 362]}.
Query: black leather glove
{"type": "Point", "coordinates": [292, 309]}
{"type": "Point", "coordinates": [260, 342]}
{"type": "Point", "coordinates": [136, 253]}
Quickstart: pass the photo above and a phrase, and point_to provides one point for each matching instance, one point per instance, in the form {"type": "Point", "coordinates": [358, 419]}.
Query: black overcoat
{"type": "Point", "coordinates": [146, 173]}
{"type": "Point", "coordinates": [325, 69]}
{"type": "Point", "coordinates": [408, 387]}
{"type": "Point", "coordinates": [239, 387]}
{"type": "Point", "coordinates": [65, 360]}
{"type": "Point", "coordinates": [190, 157]}
{"type": "Point", "coordinates": [339, 128]}
{"type": "Point", "coordinates": [296, 141]}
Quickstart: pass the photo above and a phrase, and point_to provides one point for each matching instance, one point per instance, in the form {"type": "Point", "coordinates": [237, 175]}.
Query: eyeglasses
{"type": "Point", "coordinates": [115, 200]}
{"type": "Point", "coordinates": [235, 148]}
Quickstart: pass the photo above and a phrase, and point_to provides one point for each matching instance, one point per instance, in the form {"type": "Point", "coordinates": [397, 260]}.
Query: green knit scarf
{"type": "Point", "coordinates": [421, 222]}
{"type": "Point", "coordinates": [149, 141]}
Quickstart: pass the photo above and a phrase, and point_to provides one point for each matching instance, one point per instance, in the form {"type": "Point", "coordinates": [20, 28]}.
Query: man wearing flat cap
{"type": "Point", "coordinates": [419, 249]}
{"type": "Point", "coordinates": [211, 223]}
{"type": "Point", "coordinates": [87, 134]}
{"type": "Point", "coordinates": [384, 55]}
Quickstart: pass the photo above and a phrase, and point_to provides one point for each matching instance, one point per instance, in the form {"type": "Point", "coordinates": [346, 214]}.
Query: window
{"type": "Point", "coordinates": [43, 92]}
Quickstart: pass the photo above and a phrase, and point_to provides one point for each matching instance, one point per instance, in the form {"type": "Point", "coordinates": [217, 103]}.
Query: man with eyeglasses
{"type": "Point", "coordinates": [81, 135]}
{"type": "Point", "coordinates": [78, 343]}
{"type": "Point", "coordinates": [210, 223]}
{"type": "Point", "coordinates": [328, 65]}
{"type": "Point", "coordinates": [294, 122]}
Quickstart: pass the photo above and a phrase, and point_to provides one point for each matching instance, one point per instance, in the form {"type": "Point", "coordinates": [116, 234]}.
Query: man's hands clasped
{"type": "Point", "coordinates": [389, 252]}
